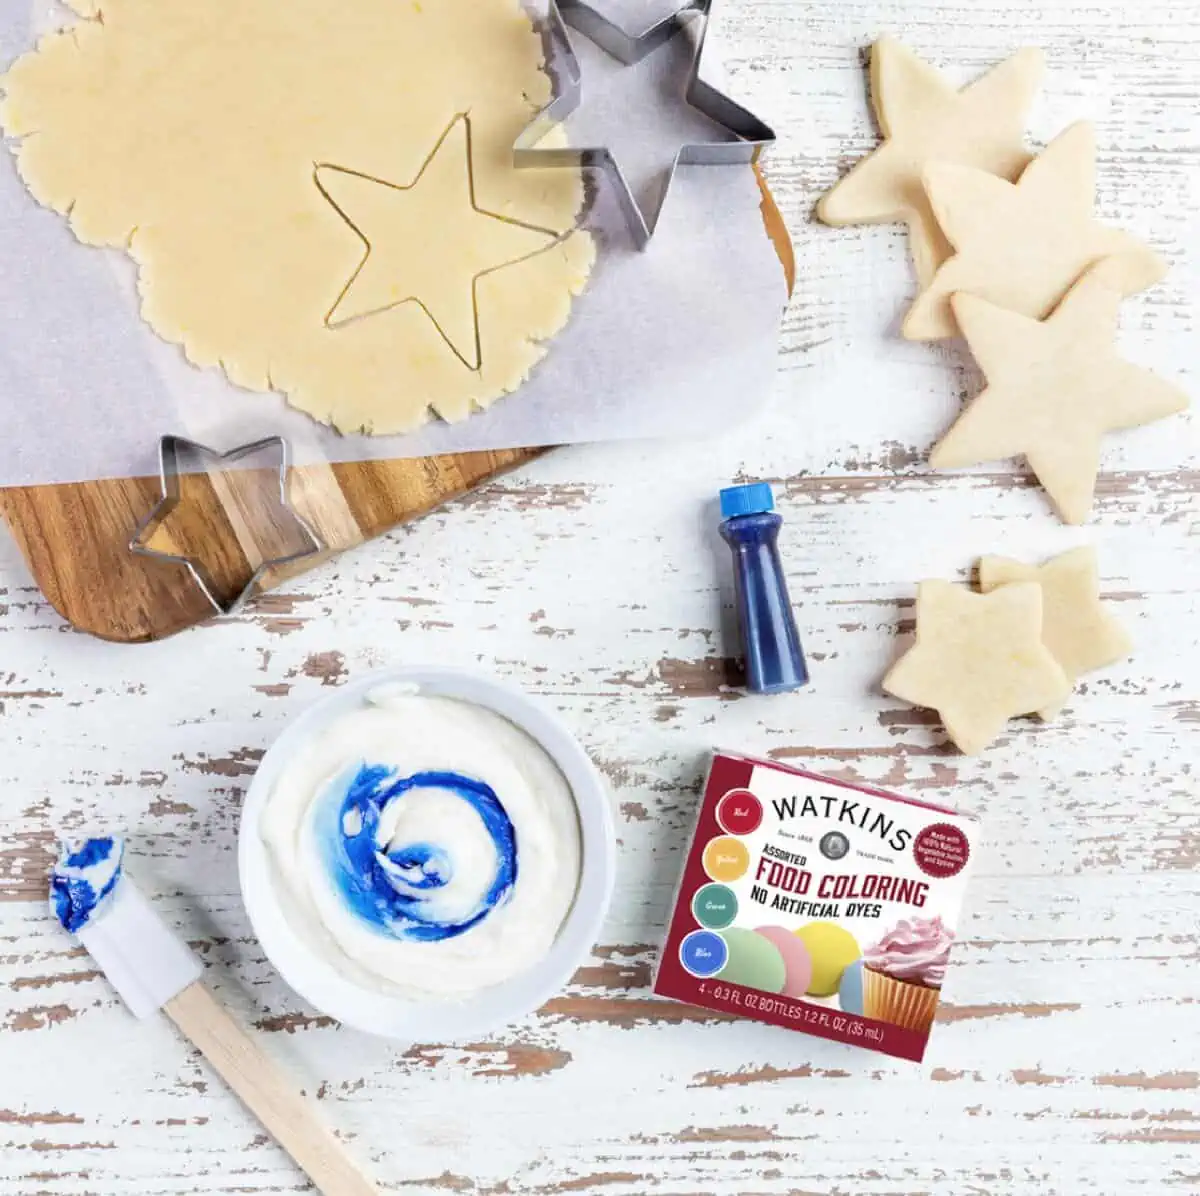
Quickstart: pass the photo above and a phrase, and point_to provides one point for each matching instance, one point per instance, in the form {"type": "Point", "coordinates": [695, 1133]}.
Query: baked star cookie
{"type": "Point", "coordinates": [1023, 245]}
{"type": "Point", "coordinates": [924, 119]}
{"type": "Point", "coordinates": [1054, 389]}
{"type": "Point", "coordinates": [1081, 635]}
{"type": "Point", "coordinates": [979, 660]}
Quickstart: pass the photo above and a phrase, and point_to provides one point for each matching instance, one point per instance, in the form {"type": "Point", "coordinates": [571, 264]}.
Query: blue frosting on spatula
{"type": "Point", "coordinates": [85, 876]}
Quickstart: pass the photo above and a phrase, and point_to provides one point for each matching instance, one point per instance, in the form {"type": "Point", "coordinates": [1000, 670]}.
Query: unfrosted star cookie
{"type": "Point", "coordinates": [924, 119]}
{"type": "Point", "coordinates": [1023, 245]}
{"type": "Point", "coordinates": [1055, 387]}
{"type": "Point", "coordinates": [1081, 635]}
{"type": "Point", "coordinates": [979, 660]}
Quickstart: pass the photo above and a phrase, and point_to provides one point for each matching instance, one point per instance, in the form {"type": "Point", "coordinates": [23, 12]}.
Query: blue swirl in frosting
{"type": "Point", "coordinates": [407, 863]}
{"type": "Point", "coordinates": [86, 874]}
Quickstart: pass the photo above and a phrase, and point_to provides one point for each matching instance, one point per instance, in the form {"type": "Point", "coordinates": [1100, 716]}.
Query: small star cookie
{"type": "Point", "coordinates": [1023, 245]}
{"type": "Point", "coordinates": [1054, 389]}
{"type": "Point", "coordinates": [1081, 635]}
{"type": "Point", "coordinates": [924, 119]}
{"type": "Point", "coordinates": [979, 660]}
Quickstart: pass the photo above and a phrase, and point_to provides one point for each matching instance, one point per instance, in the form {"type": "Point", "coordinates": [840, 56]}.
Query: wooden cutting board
{"type": "Point", "coordinates": [75, 537]}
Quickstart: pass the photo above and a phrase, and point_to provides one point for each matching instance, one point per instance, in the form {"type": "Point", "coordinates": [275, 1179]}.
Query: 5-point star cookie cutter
{"type": "Point", "coordinates": [751, 135]}
{"type": "Point", "coordinates": [174, 453]}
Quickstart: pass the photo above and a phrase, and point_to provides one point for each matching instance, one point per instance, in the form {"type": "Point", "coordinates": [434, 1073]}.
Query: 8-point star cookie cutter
{"type": "Point", "coordinates": [751, 134]}
{"type": "Point", "coordinates": [175, 452]}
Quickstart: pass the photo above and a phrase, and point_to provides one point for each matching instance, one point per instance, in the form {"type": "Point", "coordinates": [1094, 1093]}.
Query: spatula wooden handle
{"type": "Point", "coordinates": [287, 1115]}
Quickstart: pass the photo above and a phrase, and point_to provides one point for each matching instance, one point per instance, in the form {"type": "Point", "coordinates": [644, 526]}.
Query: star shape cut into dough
{"type": "Point", "coordinates": [1081, 635]}
{"type": "Point", "coordinates": [1023, 245]}
{"type": "Point", "coordinates": [979, 660]}
{"type": "Point", "coordinates": [924, 119]}
{"type": "Point", "coordinates": [427, 242]}
{"type": "Point", "coordinates": [1054, 389]}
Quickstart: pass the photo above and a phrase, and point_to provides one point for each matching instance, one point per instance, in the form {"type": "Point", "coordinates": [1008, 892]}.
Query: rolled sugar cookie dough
{"type": "Point", "coordinates": [319, 196]}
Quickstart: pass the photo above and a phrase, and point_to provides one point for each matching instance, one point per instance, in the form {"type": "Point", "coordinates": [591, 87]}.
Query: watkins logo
{"type": "Point", "coordinates": [845, 810]}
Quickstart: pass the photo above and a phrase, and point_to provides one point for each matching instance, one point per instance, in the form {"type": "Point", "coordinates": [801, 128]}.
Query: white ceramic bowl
{"type": "Point", "coordinates": [433, 1020]}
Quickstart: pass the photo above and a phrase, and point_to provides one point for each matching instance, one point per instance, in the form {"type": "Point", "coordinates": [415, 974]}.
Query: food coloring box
{"type": "Point", "coordinates": [818, 905]}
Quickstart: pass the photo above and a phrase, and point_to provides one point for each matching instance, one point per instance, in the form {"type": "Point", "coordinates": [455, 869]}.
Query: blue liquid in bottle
{"type": "Point", "coordinates": [770, 641]}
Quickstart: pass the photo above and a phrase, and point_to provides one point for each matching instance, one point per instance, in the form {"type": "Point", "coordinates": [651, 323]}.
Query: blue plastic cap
{"type": "Point", "coordinates": [754, 499]}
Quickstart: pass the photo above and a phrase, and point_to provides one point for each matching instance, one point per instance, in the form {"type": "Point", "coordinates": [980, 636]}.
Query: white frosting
{"type": "Point", "coordinates": [366, 890]}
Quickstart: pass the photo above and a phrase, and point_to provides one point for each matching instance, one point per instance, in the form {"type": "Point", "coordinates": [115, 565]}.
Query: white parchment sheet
{"type": "Point", "coordinates": [676, 340]}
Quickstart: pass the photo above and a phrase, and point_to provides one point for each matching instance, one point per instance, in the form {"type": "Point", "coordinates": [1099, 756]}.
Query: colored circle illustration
{"type": "Point", "coordinates": [941, 850]}
{"type": "Point", "coordinates": [739, 812]}
{"type": "Point", "coordinates": [703, 953]}
{"type": "Point", "coordinates": [796, 960]}
{"type": "Point", "coordinates": [726, 859]}
{"type": "Point", "coordinates": [715, 907]}
{"type": "Point", "coordinates": [753, 961]}
{"type": "Point", "coordinates": [850, 990]}
{"type": "Point", "coordinates": [833, 949]}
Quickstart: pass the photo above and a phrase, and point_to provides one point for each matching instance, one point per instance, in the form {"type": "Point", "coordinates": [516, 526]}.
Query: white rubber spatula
{"type": "Point", "coordinates": [151, 969]}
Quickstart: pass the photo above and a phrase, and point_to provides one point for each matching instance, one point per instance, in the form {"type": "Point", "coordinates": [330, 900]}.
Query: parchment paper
{"type": "Point", "coordinates": [679, 339]}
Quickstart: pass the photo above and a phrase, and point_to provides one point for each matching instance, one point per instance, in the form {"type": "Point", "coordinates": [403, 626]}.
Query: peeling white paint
{"type": "Point", "coordinates": [1068, 1060]}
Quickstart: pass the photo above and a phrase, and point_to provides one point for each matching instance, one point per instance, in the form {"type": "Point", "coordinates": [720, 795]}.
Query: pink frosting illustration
{"type": "Point", "coordinates": [915, 950]}
{"type": "Point", "coordinates": [796, 959]}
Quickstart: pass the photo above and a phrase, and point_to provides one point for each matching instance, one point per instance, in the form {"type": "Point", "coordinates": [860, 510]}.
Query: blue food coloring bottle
{"type": "Point", "coordinates": [770, 641]}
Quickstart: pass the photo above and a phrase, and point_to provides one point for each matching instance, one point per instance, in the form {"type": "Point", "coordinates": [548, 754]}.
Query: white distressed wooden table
{"type": "Point", "coordinates": [1067, 1058]}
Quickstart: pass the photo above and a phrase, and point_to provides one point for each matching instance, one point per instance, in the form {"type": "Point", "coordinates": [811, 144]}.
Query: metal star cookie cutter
{"type": "Point", "coordinates": [172, 452]}
{"type": "Point", "coordinates": [752, 135]}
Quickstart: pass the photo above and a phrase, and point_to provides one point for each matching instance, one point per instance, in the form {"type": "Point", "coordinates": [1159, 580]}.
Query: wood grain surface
{"type": "Point", "coordinates": [1066, 1059]}
{"type": "Point", "coordinates": [75, 538]}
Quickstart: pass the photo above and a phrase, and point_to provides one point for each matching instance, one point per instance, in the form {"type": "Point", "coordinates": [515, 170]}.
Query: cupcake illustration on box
{"type": "Point", "coordinates": [903, 973]}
